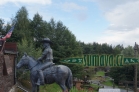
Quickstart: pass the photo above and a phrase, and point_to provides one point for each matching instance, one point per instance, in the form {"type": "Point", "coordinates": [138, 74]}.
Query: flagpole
{"type": "Point", "coordinates": [8, 35]}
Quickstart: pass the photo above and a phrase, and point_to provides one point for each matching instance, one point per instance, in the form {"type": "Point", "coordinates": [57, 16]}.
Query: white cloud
{"type": "Point", "coordinates": [69, 6]}
{"type": "Point", "coordinates": [81, 16]}
{"type": "Point", "coordinates": [43, 2]}
{"type": "Point", "coordinates": [107, 5]}
{"type": "Point", "coordinates": [122, 14]}
{"type": "Point", "coordinates": [123, 18]}
{"type": "Point", "coordinates": [41, 10]}
{"type": "Point", "coordinates": [125, 38]}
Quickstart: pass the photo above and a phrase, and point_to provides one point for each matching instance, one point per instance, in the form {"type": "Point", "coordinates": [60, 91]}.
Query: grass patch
{"type": "Point", "coordinates": [96, 87]}
{"type": "Point", "coordinates": [108, 83]}
{"type": "Point", "coordinates": [50, 88]}
{"type": "Point", "coordinates": [56, 88]}
{"type": "Point", "coordinates": [76, 90]}
{"type": "Point", "coordinates": [100, 73]}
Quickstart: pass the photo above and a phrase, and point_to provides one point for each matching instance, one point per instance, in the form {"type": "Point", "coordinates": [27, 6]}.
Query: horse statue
{"type": "Point", "coordinates": [60, 74]}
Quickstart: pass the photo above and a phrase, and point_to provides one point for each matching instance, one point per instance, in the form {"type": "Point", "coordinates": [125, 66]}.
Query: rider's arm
{"type": "Point", "coordinates": [43, 55]}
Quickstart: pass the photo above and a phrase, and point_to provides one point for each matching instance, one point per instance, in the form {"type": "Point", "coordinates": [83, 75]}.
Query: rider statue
{"type": "Point", "coordinates": [47, 58]}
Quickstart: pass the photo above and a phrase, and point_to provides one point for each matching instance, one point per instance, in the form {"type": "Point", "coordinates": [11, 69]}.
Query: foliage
{"type": "Point", "coordinates": [22, 27]}
{"type": "Point", "coordinates": [29, 48]}
{"type": "Point", "coordinates": [128, 51]}
{"type": "Point", "coordinates": [1, 24]}
{"type": "Point", "coordinates": [26, 84]}
{"type": "Point", "coordinates": [64, 42]}
{"type": "Point", "coordinates": [126, 72]}
{"type": "Point", "coordinates": [89, 72]}
{"type": "Point", "coordinates": [118, 49]}
{"type": "Point", "coordinates": [38, 28]}
{"type": "Point", "coordinates": [20, 74]}
{"type": "Point", "coordinates": [122, 73]}
{"type": "Point", "coordinates": [77, 69]}
{"type": "Point", "coordinates": [96, 48]}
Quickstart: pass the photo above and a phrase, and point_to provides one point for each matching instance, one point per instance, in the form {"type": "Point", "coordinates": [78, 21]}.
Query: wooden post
{"type": "Point", "coordinates": [2, 46]}
{"type": "Point", "coordinates": [135, 69]}
{"type": "Point", "coordinates": [127, 87]}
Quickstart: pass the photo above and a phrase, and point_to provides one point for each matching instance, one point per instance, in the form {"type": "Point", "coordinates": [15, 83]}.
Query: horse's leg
{"type": "Point", "coordinates": [33, 82]}
{"type": "Point", "coordinates": [69, 83]}
{"type": "Point", "coordinates": [35, 88]}
{"type": "Point", "coordinates": [63, 87]}
{"type": "Point", "coordinates": [38, 88]}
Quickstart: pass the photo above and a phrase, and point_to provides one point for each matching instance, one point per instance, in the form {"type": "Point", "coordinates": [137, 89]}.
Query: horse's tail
{"type": "Point", "coordinates": [69, 81]}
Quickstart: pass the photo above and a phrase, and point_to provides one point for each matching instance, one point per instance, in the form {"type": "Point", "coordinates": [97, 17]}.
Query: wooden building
{"type": "Point", "coordinates": [7, 66]}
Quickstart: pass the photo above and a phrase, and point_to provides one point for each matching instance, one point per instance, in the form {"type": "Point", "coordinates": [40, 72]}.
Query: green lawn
{"type": "Point", "coordinates": [95, 86]}
{"type": "Point", "coordinates": [50, 88]}
{"type": "Point", "coordinates": [108, 83]}
{"type": "Point", "coordinates": [100, 73]}
{"type": "Point", "coordinates": [55, 88]}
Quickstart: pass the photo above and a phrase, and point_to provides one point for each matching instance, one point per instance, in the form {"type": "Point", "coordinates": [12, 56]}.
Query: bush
{"type": "Point", "coordinates": [77, 69]}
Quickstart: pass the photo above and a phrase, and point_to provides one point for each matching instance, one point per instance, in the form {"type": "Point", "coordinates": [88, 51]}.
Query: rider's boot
{"type": "Point", "coordinates": [41, 78]}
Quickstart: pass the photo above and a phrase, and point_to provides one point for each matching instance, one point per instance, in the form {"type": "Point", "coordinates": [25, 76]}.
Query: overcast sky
{"type": "Point", "coordinates": [103, 21]}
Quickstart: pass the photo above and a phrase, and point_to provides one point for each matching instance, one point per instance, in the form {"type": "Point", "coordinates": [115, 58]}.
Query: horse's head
{"type": "Point", "coordinates": [23, 61]}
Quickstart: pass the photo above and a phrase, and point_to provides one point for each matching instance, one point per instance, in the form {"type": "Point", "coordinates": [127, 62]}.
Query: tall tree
{"type": "Point", "coordinates": [38, 26]}
{"type": "Point", "coordinates": [29, 48]}
{"type": "Point", "coordinates": [22, 25]}
{"type": "Point", "coordinates": [1, 25]}
{"type": "Point", "coordinates": [64, 42]}
{"type": "Point", "coordinates": [128, 51]}
{"type": "Point", "coordinates": [118, 49]}
{"type": "Point", "coordinates": [38, 29]}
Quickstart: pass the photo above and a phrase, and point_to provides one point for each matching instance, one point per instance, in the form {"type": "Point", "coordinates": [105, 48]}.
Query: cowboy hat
{"type": "Point", "coordinates": [46, 40]}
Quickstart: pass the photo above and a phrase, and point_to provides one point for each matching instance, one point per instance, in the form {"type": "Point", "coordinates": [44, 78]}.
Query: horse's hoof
{"type": "Point", "coordinates": [39, 84]}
